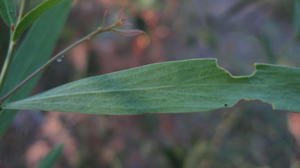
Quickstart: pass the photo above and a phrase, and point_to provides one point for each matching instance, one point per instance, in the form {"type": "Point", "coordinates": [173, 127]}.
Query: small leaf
{"type": "Point", "coordinates": [34, 14]}
{"type": "Point", "coordinates": [129, 33]}
{"type": "Point", "coordinates": [34, 50]}
{"type": "Point", "coordinates": [8, 11]}
{"type": "Point", "coordinates": [52, 157]}
{"type": "Point", "coordinates": [171, 87]}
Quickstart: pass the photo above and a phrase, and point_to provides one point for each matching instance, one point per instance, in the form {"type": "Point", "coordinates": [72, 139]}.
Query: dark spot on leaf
{"type": "Point", "coordinates": [225, 105]}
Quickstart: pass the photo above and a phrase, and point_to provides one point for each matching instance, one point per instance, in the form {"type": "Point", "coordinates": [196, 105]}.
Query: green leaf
{"type": "Point", "coordinates": [171, 87]}
{"type": "Point", "coordinates": [33, 52]}
{"type": "Point", "coordinates": [297, 17]}
{"type": "Point", "coordinates": [52, 157]}
{"type": "Point", "coordinates": [31, 16]}
{"type": "Point", "coordinates": [8, 11]}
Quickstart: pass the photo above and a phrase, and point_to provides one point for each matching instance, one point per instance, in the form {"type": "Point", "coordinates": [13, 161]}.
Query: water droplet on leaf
{"type": "Point", "coordinates": [60, 59]}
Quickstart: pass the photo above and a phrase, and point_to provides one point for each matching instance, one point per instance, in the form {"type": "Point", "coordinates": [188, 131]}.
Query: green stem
{"type": "Point", "coordinates": [7, 61]}
{"type": "Point", "coordinates": [58, 56]}
{"type": "Point", "coordinates": [21, 11]}
{"type": "Point", "coordinates": [11, 47]}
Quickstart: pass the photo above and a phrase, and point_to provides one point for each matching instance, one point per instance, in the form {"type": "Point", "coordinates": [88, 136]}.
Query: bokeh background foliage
{"type": "Point", "coordinates": [237, 32]}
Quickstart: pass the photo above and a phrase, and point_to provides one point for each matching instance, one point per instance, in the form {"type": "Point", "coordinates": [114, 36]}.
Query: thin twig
{"type": "Point", "coordinates": [21, 11]}
{"type": "Point", "coordinates": [58, 56]}
{"type": "Point", "coordinates": [11, 47]}
{"type": "Point", "coordinates": [7, 61]}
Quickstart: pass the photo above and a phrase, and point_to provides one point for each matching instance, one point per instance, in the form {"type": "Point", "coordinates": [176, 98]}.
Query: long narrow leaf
{"type": "Point", "coordinates": [172, 87]}
{"type": "Point", "coordinates": [34, 14]}
{"type": "Point", "coordinates": [8, 11]}
{"type": "Point", "coordinates": [52, 157]}
{"type": "Point", "coordinates": [33, 52]}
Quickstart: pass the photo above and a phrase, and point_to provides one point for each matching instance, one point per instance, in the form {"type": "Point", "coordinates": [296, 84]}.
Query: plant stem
{"type": "Point", "coordinates": [21, 11]}
{"type": "Point", "coordinates": [58, 56]}
{"type": "Point", "coordinates": [7, 61]}
{"type": "Point", "coordinates": [12, 43]}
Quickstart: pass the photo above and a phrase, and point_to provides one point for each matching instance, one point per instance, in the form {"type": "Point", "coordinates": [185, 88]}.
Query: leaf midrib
{"type": "Point", "coordinates": [148, 88]}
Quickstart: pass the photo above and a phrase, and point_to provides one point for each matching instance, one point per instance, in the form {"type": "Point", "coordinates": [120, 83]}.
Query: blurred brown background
{"type": "Point", "coordinates": [236, 32]}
